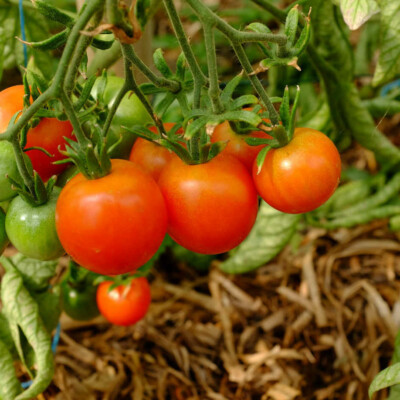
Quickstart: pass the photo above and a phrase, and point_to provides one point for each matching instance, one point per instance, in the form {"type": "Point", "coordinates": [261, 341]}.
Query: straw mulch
{"type": "Point", "coordinates": [316, 323]}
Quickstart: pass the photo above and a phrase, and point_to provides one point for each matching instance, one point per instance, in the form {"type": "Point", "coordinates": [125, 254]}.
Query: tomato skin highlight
{"type": "Point", "coordinates": [151, 156]}
{"type": "Point", "coordinates": [48, 134]}
{"type": "Point", "coordinates": [32, 229]}
{"type": "Point", "coordinates": [237, 146]}
{"type": "Point", "coordinates": [211, 207]}
{"type": "Point", "coordinates": [115, 224]}
{"type": "Point", "coordinates": [300, 176]}
{"type": "Point", "coordinates": [124, 305]}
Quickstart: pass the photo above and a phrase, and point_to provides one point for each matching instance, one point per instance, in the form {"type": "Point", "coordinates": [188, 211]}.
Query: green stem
{"type": "Point", "coordinates": [213, 91]}
{"type": "Point", "coordinates": [92, 6]}
{"type": "Point", "coordinates": [233, 34]}
{"type": "Point", "coordinates": [280, 15]}
{"type": "Point", "coordinates": [132, 85]}
{"type": "Point", "coordinates": [80, 51]}
{"type": "Point", "coordinates": [122, 92]}
{"type": "Point", "coordinates": [27, 115]}
{"type": "Point", "coordinates": [171, 85]}
{"type": "Point", "coordinates": [22, 168]}
{"type": "Point", "coordinates": [244, 61]}
{"type": "Point", "coordinates": [116, 17]}
{"type": "Point", "coordinates": [69, 110]}
{"type": "Point", "coordinates": [199, 78]}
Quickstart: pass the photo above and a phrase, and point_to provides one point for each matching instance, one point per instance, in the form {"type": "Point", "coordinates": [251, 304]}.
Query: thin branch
{"type": "Point", "coordinates": [198, 76]}
{"type": "Point", "coordinates": [213, 90]}
{"type": "Point", "coordinates": [159, 81]}
{"type": "Point", "coordinates": [279, 14]}
{"type": "Point", "coordinates": [132, 85]}
{"type": "Point", "coordinates": [244, 61]}
{"type": "Point", "coordinates": [233, 34]}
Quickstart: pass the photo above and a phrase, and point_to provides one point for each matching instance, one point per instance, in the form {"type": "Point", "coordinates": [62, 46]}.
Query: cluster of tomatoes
{"type": "Point", "coordinates": [115, 224]}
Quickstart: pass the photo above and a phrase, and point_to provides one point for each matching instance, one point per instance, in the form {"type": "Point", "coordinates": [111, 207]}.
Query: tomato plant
{"type": "Point", "coordinates": [112, 216]}
{"type": "Point", "coordinates": [31, 229]}
{"type": "Point", "coordinates": [300, 176]}
{"type": "Point", "coordinates": [126, 304]}
{"type": "Point", "coordinates": [237, 146]}
{"type": "Point", "coordinates": [114, 224]}
{"type": "Point", "coordinates": [211, 207]}
{"type": "Point", "coordinates": [129, 113]}
{"type": "Point", "coordinates": [3, 235]}
{"type": "Point", "coordinates": [151, 156]}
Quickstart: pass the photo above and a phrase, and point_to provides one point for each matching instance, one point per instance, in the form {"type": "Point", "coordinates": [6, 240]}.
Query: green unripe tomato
{"type": "Point", "coordinates": [129, 113]}
{"type": "Point", "coordinates": [4, 205]}
{"type": "Point", "coordinates": [32, 230]}
{"type": "Point", "coordinates": [79, 301]}
{"type": "Point", "coordinates": [3, 235]}
{"type": "Point", "coordinates": [8, 166]}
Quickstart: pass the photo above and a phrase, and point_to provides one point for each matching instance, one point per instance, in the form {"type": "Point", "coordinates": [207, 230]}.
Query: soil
{"type": "Point", "coordinates": [318, 322]}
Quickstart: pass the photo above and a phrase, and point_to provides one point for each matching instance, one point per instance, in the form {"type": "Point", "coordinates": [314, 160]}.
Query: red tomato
{"type": "Point", "coordinates": [11, 101]}
{"type": "Point", "coordinates": [300, 176]}
{"type": "Point", "coordinates": [151, 156]}
{"type": "Point", "coordinates": [237, 146]}
{"type": "Point", "coordinates": [211, 207]}
{"type": "Point", "coordinates": [48, 134]}
{"type": "Point", "coordinates": [124, 305]}
{"type": "Point", "coordinates": [112, 225]}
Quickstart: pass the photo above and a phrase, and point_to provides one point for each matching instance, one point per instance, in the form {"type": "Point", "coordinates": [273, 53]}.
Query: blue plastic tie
{"type": "Point", "coordinates": [22, 24]}
{"type": "Point", "coordinates": [387, 88]}
{"type": "Point", "coordinates": [54, 345]}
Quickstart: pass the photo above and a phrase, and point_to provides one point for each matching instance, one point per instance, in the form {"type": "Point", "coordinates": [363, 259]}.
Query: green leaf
{"type": "Point", "coordinates": [245, 100]}
{"type": "Point", "coordinates": [53, 13]}
{"type": "Point", "coordinates": [388, 377]}
{"type": "Point", "coordinates": [284, 110]}
{"type": "Point", "coordinates": [23, 316]}
{"type": "Point", "coordinates": [5, 335]}
{"type": "Point", "coordinates": [227, 93]}
{"type": "Point", "coordinates": [51, 43]}
{"type": "Point", "coordinates": [394, 393]}
{"type": "Point", "coordinates": [396, 353]}
{"type": "Point", "coordinates": [258, 27]}
{"type": "Point", "coordinates": [346, 196]}
{"type": "Point", "coordinates": [270, 234]}
{"type": "Point", "coordinates": [357, 12]}
{"type": "Point", "coordinates": [164, 104]}
{"type": "Point", "coordinates": [389, 59]}
{"type": "Point", "coordinates": [36, 274]}
{"type": "Point", "coordinates": [142, 9]}
{"type": "Point", "coordinates": [49, 308]}
{"type": "Point", "coordinates": [10, 386]}
{"type": "Point", "coordinates": [161, 64]}
{"type": "Point", "coordinates": [291, 24]}
{"type": "Point", "coordinates": [261, 157]}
